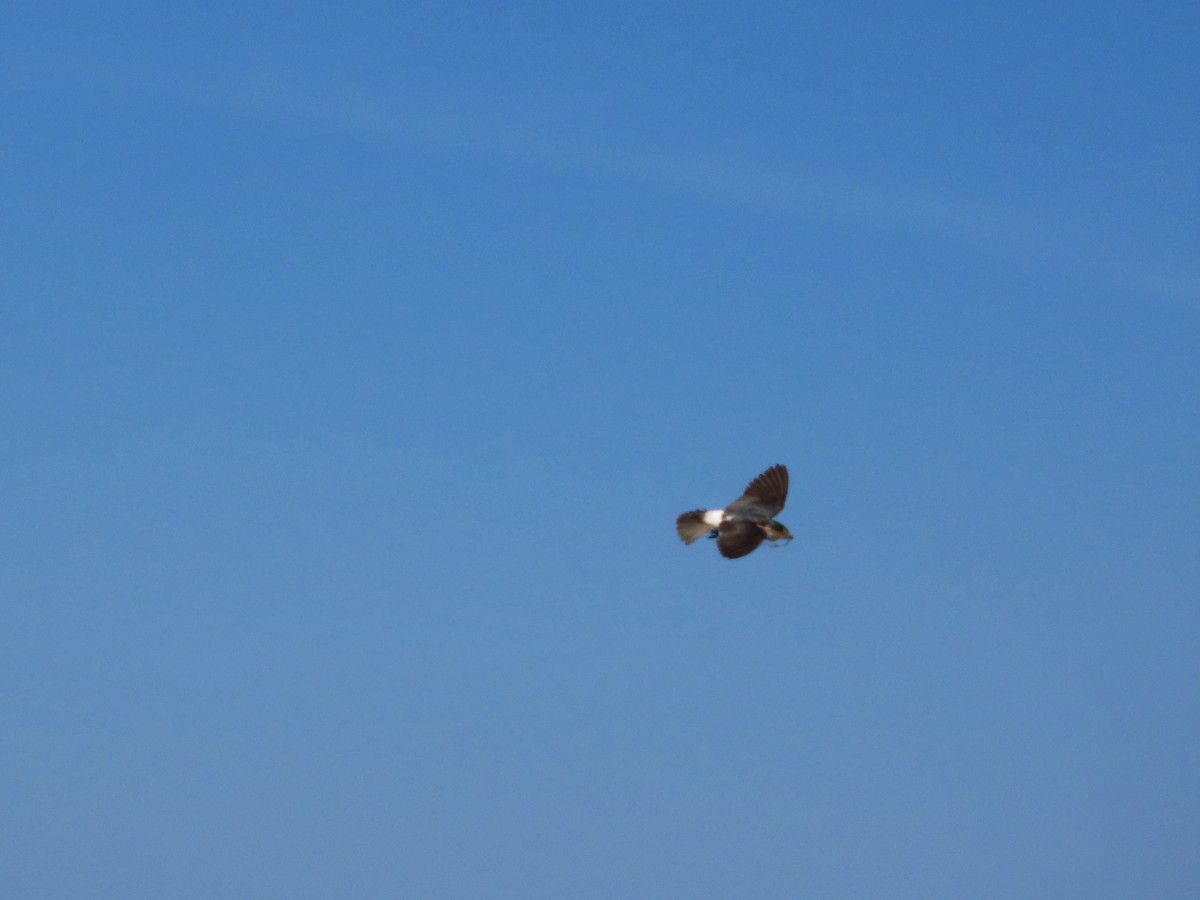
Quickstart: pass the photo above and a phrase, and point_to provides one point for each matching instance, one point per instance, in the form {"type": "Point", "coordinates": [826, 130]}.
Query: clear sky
{"type": "Point", "coordinates": [356, 359]}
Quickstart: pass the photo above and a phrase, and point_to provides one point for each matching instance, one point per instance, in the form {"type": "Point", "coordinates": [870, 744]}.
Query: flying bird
{"type": "Point", "coordinates": [747, 521]}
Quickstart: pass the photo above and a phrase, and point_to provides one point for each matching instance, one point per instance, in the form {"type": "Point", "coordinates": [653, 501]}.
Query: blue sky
{"type": "Point", "coordinates": [356, 361]}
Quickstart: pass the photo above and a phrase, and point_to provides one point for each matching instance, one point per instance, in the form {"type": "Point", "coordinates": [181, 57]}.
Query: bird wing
{"type": "Point", "coordinates": [736, 539]}
{"type": "Point", "coordinates": [765, 495]}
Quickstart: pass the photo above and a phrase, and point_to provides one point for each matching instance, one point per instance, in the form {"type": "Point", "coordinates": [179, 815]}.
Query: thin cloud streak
{"type": "Point", "coordinates": [433, 119]}
{"type": "Point", "coordinates": [1040, 239]}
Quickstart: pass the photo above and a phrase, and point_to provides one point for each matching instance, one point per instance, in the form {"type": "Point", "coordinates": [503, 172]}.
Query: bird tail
{"type": "Point", "coordinates": [691, 526]}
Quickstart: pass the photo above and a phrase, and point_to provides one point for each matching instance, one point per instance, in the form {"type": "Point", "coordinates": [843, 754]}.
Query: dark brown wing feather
{"type": "Point", "coordinates": [766, 494]}
{"type": "Point", "coordinates": [736, 539]}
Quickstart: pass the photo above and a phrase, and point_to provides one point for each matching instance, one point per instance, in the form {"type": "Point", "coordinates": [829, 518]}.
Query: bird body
{"type": "Point", "coordinates": [747, 521]}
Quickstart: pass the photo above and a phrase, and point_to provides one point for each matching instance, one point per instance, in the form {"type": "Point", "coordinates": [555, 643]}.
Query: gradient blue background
{"type": "Point", "coordinates": [355, 360]}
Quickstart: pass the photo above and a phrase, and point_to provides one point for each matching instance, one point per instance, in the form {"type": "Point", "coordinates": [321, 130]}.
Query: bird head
{"type": "Point", "coordinates": [777, 531]}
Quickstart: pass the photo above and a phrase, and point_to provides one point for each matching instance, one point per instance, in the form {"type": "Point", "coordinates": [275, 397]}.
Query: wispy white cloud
{"type": "Point", "coordinates": [492, 124]}
{"type": "Point", "coordinates": [1042, 237]}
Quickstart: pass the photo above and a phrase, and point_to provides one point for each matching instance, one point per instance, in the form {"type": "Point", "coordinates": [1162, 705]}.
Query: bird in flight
{"type": "Point", "coordinates": [747, 521]}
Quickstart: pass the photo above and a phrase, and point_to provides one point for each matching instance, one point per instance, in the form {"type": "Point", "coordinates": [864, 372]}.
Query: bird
{"type": "Point", "coordinates": [746, 522]}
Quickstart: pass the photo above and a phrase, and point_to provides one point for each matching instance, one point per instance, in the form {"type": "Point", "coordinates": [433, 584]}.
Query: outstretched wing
{"type": "Point", "coordinates": [736, 539]}
{"type": "Point", "coordinates": [764, 496]}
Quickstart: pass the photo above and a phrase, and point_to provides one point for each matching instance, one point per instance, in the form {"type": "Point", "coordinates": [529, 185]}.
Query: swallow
{"type": "Point", "coordinates": [746, 522]}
